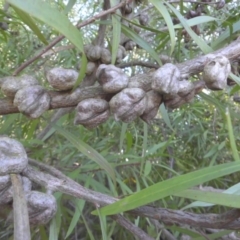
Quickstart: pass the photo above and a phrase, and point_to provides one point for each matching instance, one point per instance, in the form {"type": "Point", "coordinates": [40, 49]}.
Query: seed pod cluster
{"type": "Point", "coordinates": [12, 84]}
{"type": "Point", "coordinates": [216, 72]}
{"type": "Point", "coordinates": [111, 78]}
{"type": "Point", "coordinates": [92, 112]}
{"type": "Point", "coordinates": [33, 101]}
{"type": "Point", "coordinates": [13, 160]}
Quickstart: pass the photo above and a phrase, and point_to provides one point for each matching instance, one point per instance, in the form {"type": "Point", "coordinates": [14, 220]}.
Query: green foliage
{"type": "Point", "coordinates": [156, 164]}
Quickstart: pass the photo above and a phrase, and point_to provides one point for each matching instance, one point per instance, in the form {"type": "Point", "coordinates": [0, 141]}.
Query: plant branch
{"type": "Point", "coordinates": [59, 182]}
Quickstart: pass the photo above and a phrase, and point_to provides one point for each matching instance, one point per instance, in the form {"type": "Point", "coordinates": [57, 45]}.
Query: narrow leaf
{"type": "Point", "coordinates": [137, 39]}
{"type": "Point", "coordinates": [29, 21]}
{"type": "Point", "coordinates": [231, 136]}
{"type": "Point", "coordinates": [224, 199]}
{"type": "Point", "coordinates": [203, 46]}
{"type": "Point", "coordinates": [44, 12]}
{"type": "Point", "coordinates": [165, 116]}
{"type": "Point", "coordinates": [196, 21]}
{"type": "Point", "coordinates": [170, 187]}
{"type": "Point", "coordinates": [88, 151]}
{"type": "Point", "coordinates": [163, 10]}
{"type": "Point", "coordinates": [116, 24]}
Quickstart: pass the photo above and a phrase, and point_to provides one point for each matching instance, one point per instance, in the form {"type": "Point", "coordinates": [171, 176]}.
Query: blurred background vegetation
{"type": "Point", "coordinates": [178, 141]}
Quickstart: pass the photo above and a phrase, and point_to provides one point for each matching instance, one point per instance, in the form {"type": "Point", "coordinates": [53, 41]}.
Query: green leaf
{"type": "Point", "coordinates": [226, 34]}
{"type": "Point", "coordinates": [116, 24]}
{"type": "Point", "coordinates": [235, 189]}
{"type": "Point", "coordinates": [163, 10]}
{"type": "Point", "coordinates": [69, 6]}
{"type": "Point", "coordinates": [156, 147]}
{"type": "Point", "coordinates": [88, 151]}
{"type": "Point", "coordinates": [170, 187]}
{"type": "Point", "coordinates": [213, 101]}
{"type": "Point", "coordinates": [44, 12]}
{"type": "Point", "coordinates": [235, 78]}
{"type": "Point", "coordinates": [147, 168]}
{"type": "Point", "coordinates": [223, 199]}
{"type": "Point", "coordinates": [29, 21]}
{"type": "Point", "coordinates": [122, 135]}
{"type": "Point", "coordinates": [103, 224]}
{"type": "Point", "coordinates": [203, 46]}
{"type": "Point", "coordinates": [196, 21]}
{"type": "Point", "coordinates": [90, 234]}
{"type": "Point", "coordinates": [137, 39]}
{"type": "Point", "coordinates": [165, 116]}
{"type": "Point", "coordinates": [231, 136]}
{"type": "Point", "coordinates": [79, 205]}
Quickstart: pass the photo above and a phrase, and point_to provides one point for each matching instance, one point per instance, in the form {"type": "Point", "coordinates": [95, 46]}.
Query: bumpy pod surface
{"type": "Point", "coordinates": [111, 78]}
{"type": "Point", "coordinates": [62, 79]}
{"type": "Point", "coordinates": [143, 18]}
{"type": "Point", "coordinates": [13, 158]}
{"type": "Point", "coordinates": [216, 72]}
{"type": "Point", "coordinates": [153, 101]}
{"type": "Point", "coordinates": [92, 112]}
{"type": "Point", "coordinates": [129, 45]}
{"type": "Point", "coordinates": [185, 87]}
{"type": "Point", "coordinates": [106, 56]}
{"type": "Point", "coordinates": [128, 104]}
{"type": "Point", "coordinates": [12, 84]}
{"type": "Point", "coordinates": [94, 53]}
{"type": "Point", "coordinates": [41, 206]}
{"type": "Point", "coordinates": [33, 101]}
{"type": "Point", "coordinates": [121, 54]}
{"type": "Point", "coordinates": [166, 79]}
{"type": "Point", "coordinates": [91, 67]}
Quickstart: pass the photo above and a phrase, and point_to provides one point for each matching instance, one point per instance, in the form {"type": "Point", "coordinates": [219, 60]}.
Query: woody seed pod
{"type": "Point", "coordinates": [12, 84]}
{"type": "Point", "coordinates": [92, 112]}
{"type": "Point", "coordinates": [143, 18]}
{"type": "Point", "coordinates": [32, 101]}
{"type": "Point", "coordinates": [62, 79]}
{"type": "Point", "coordinates": [106, 56]}
{"type": "Point", "coordinates": [166, 79]}
{"type": "Point", "coordinates": [111, 78]}
{"type": "Point", "coordinates": [121, 54]}
{"type": "Point", "coordinates": [184, 87]}
{"type": "Point", "coordinates": [91, 67]}
{"type": "Point", "coordinates": [41, 207]}
{"type": "Point", "coordinates": [128, 104]}
{"type": "Point", "coordinates": [94, 53]}
{"type": "Point", "coordinates": [216, 72]}
{"type": "Point", "coordinates": [129, 45]}
{"type": "Point", "coordinates": [153, 101]}
{"type": "Point", "coordinates": [13, 158]}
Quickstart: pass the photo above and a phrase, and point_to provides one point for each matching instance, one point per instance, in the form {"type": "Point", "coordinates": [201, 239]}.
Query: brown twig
{"type": "Point", "coordinates": [61, 37]}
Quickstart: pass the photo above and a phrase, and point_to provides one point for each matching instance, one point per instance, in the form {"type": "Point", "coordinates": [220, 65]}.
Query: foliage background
{"type": "Point", "coordinates": [178, 141]}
